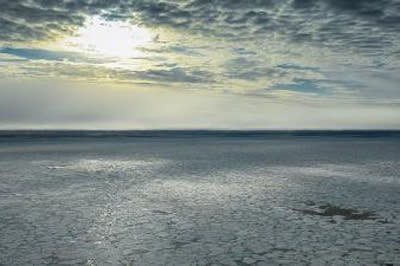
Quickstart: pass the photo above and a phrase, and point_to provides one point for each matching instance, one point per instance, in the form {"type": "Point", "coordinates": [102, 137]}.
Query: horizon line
{"type": "Point", "coordinates": [201, 129]}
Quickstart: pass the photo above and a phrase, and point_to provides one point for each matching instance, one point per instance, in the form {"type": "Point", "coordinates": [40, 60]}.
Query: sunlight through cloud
{"type": "Point", "coordinates": [111, 38]}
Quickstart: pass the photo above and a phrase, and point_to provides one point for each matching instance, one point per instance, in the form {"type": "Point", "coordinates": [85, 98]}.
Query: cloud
{"type": "Point", "coordinates": [370, 28]}
{"type": "Point", "coordinates": [301, 85]}
{"type": "Point", "coordinates": [174, 49]}
{"type": "Point", "coordinates": [361, 24]}
{"type": "Point", "coordinates": [250, 69]}
{"type": "Point", "coordinates": [36, 20]}
{"type": "Point", "coordinates": [296, 67]}
{"type": "Point", "coordinates": [164, 74]}
{"type": "Point", "coordinates": [175, 74]}
{"type": "Point", "coordinates": [42, 54]}
{"type": "Point", "coordinates": [305, 20]}
{"type": "Point", "coordinates": [300, 51]}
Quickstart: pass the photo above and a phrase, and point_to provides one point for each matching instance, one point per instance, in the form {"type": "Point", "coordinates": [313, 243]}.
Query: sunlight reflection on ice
{"type": "Point", "coordinates": [93, 165]}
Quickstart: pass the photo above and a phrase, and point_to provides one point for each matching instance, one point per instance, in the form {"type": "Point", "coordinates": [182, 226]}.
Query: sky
{"type": "Point", "coordinates": [200, 64]}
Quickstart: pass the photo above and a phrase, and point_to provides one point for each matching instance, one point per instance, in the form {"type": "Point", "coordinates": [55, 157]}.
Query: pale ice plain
{"type": "Point", "coordinates": [200, 198]}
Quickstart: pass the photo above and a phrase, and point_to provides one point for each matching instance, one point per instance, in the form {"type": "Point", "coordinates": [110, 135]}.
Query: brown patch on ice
{"type": "Point", "coordinates": [347, 213]}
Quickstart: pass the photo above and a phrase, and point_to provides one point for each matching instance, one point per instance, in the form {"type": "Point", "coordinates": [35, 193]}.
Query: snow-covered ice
{"type": "Point", "coordinates": [200, 201]}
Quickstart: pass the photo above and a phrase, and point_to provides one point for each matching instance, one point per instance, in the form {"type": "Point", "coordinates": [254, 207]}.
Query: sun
{"type": "Point", "coordinates": [111, 38]}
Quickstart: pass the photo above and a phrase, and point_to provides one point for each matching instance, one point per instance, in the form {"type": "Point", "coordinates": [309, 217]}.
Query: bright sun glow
{"type": "Point", "coordinates": [109, 38]}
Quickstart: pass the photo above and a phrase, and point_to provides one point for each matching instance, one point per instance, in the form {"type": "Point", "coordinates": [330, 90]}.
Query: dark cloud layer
{"type": "Point", "coordinates": [176, 74]}
{"type": "Point", "coordinates": [250, 70]}
{"type": "Point", "coordinates": [41, 54]}
{"type": "Point", "coordinates": [368, 26]}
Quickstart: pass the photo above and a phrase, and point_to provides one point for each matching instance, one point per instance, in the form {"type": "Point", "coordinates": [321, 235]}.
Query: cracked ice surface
{"type": "Point", "coordinates": [199, 201]}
